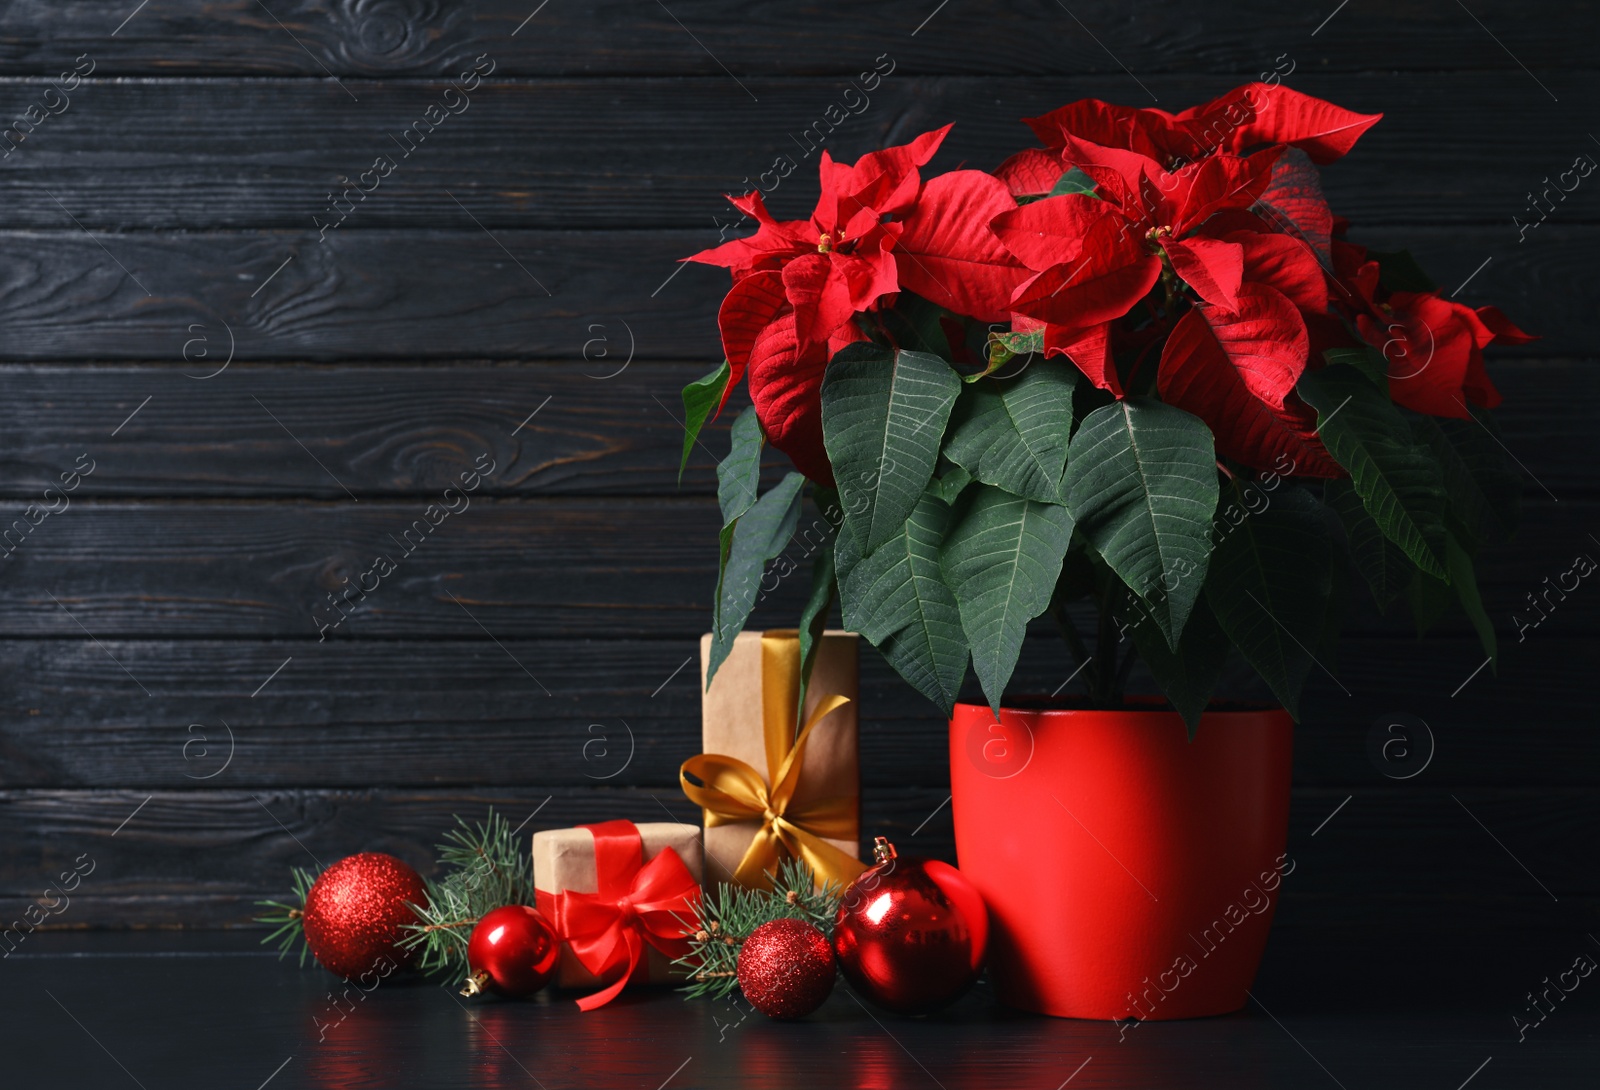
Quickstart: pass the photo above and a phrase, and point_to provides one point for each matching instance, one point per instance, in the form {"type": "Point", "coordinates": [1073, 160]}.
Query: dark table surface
{"type": "Point", "coordinates": [210, 1010]}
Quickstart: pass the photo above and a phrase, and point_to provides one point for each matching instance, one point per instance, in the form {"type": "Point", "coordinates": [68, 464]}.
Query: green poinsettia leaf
{"type": "Point", "coordinates": [1430, 600]}
{"type": "Point", "coordinates": [1269, 586]}
{"type": "Point", "coordinates": [1398, 479]}
{"type": "Point", "coordinates": [814, 617]}
{"type": "Point", "coordinates": [1141, 481]}
{"type": "Point", "coordinates": [1464, 584]}
{"type": "Point", "coordinates": [1482, 484]}
{"type": "Point", "coordinates": [1366, 359]}
{"type": "Point", "coordinates": [739, 474]}
{"type": "Point", "coordinates": [827, 501]}
{"type": "Point", "coordinates": [1013, 434]}
{"type": "Point", "coordinates": [724, 550]}
{"type": "Point", "coordinates": [1002, 558]}
{"type": "Point", "coordinates": [753, 539]}
{"type": "Point", "coordinates": [1382, 563]}
{"type": "Point", "coordinates": [951, 483]}
{"type": "Point", "coordinates": [700, 399]}
{"type": "Point", "coordinates": [1189, 673]}
{"type": "Point", "coordinates": [917, 324]}
{"type": "Point", "coordinates": [898, 600]}
{"type": "Point", "coordinates": [1073, 181]}
{"type": "Point", "coordinates": [883, 414]}
{"type": "Point", "coordinates": [1020, 344]}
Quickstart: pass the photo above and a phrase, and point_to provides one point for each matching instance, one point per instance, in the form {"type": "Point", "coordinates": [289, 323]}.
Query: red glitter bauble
{"type": "Point", "coordinates": [786, 968]}
{"type": "Point", "coordinates": [911, 933]}
{"type": "Point", "coordinates": [355, 913]}
{"type": "Point", "coordinates": [513, 952]}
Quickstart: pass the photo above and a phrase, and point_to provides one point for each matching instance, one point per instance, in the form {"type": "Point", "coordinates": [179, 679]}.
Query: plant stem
{"type": "Point", "coordinates": [1138, 365]}
{"type": "Point", "coordinates": [1169, 282]}
{"type": "Point", "coordinates": [1105, 646]}
{"type": "Point", "coordinates": [1123, 671]}
{"type": "Point", "coordinates": [1074, 642]}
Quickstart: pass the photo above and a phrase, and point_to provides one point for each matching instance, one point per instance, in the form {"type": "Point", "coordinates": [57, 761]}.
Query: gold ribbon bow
{"type": "Point", "coordinates": [732, 791]}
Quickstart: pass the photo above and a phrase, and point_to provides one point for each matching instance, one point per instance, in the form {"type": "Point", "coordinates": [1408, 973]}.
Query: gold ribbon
{"type": "Point", "coordinates": [732, 791]}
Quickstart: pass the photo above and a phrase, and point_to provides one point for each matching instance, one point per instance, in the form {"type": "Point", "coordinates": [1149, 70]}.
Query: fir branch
{"type": "Point", "coordinates": [290, 918]}
{"type": "Point", "coordinates": [487, 867]}
{"type": "Point", "coordinates": [726, 917]}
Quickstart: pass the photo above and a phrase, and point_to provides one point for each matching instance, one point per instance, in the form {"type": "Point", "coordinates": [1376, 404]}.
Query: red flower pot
{"type": "Point", "coordinates": [1128, 871]}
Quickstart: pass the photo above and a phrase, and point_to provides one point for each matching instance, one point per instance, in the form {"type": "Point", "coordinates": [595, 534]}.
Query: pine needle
{"type": "Point", "coordinates": [290, 917]}
{"type": "Point", "coordinates": [726, 917]}
{"type": "Point", "coordinates": [487, 868]}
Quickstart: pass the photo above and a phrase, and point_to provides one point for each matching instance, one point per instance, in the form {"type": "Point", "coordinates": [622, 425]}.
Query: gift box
{"type": "Point", "coordinates": [764, 801]}
{"type": "Point", "coordinates": [619, 895]}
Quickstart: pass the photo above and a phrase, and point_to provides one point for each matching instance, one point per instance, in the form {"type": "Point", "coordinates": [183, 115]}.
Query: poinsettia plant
{"type": "Point", "coordinates": [1139, 365]}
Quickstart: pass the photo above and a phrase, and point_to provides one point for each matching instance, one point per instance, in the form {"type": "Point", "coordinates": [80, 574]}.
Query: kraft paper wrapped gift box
{"type": "Point", "coordinates": [563, 859]}
{"type": "Point", "coordinates": [732, 724]}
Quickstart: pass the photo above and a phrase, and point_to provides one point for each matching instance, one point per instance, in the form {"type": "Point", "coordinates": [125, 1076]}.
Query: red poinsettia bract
{"type": "Point", "coordinates": [1189, 255]}
{"type": "Point", "coordinates": [1247, 116]}
{"type": "Point", "coordinates": [877, 229]}
{"type": "Point", "coordinates": [1234, 357]}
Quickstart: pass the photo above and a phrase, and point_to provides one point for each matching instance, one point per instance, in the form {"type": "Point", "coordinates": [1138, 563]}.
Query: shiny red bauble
{"type": "Point", "coordinates": [356, 911]}
{"type": "Point", "coordinates": [513, 952]}
{"type": "Point", "coordinates": [786, 968]}
{"type": "Point", "coordinates": [911, 933]}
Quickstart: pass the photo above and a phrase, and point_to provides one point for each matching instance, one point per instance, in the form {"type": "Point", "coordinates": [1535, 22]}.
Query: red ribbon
{"type": "Point", "coordinates": [635, 903]}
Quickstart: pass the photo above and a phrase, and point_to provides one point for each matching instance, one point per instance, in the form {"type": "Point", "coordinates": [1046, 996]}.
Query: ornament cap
{"type": "Point", "coordinates": [882, 850]}
{"type": "Point", "coordinates": [475, 984]}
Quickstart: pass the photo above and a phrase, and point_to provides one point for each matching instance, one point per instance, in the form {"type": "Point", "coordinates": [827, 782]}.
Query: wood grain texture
{"type": "Point", "coordinates": [435, 37]}
{"type": "Point", "coordinates": [577, 567]}
{"type": "Point", "coordinates": [410, 429]}
{"type": "Point", "coordinates": [637, 153]}
{"type": "Point", "coordinates": [429, 295]}
{"type": "Point", "coordinates": [227, 848]}
{"type": "Point", "coordinates": [418, 295]}
{"type": "Point", "coordinates": [627, 713]}
{"type": "Point", "coordinates": [568, 567]}
{"type": "Point", "coordinates": [184, 725]}
{"type": "Point", "coordinates": [605, 425]}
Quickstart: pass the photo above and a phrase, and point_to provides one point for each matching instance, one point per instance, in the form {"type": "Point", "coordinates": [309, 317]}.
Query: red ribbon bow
{"type": "Point", "coordinates": [636, 903]}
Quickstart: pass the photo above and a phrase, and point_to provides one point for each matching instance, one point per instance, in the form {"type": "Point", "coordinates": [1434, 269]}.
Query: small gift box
{"type": "Point", "coordinates": [775, 780]}
{"type": "Point", "coordinates": [620, 896]}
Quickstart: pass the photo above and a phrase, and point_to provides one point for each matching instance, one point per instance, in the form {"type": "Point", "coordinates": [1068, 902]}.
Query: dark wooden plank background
{"type": "Point", "coordinates": [264, 407]}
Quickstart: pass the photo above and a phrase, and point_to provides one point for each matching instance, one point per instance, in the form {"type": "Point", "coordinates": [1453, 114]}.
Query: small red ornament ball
{"type": "Point", "coordinates": [513, 952]}
{"type": "Point", "coordinates": [355, 913]}
{"type": "Point", "coordinates": [786, 968]}
{"type": "Point", "coordinates": [911, 933]}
